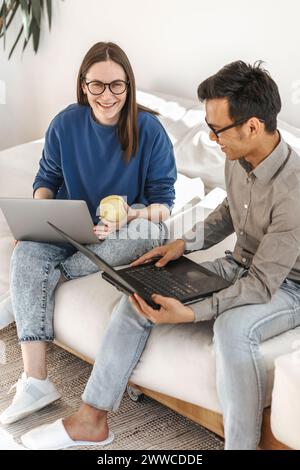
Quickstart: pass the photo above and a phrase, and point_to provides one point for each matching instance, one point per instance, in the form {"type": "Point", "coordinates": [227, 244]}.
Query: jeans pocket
{"type": "Point", "coordinates": [291, 287]}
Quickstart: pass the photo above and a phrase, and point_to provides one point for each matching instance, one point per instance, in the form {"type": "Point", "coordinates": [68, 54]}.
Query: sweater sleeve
{"type": "Point", "coordinates": [50, 173]}
{"type": "Point", "coordinates": [161, 174]}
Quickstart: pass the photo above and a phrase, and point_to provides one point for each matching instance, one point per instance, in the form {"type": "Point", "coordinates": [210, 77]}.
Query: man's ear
{"type": "Point", "coordinates": [255, 126]}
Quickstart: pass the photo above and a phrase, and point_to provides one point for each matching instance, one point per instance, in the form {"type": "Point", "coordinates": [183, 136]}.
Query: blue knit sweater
{"type": "Point", "coordinates": [83, 160]}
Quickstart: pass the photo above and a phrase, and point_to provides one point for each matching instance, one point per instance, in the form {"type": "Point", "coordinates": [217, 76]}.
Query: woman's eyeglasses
{"type": "Point", "coordinates": [117, 87]}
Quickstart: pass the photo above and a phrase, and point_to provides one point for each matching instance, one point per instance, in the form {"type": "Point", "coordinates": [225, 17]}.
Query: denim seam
{"type": "Point", "coordinates": [137, 355]}
{"type": "Point", "coordinates": [44, 300]}
{"type": "Point", "coordinates": [35, 338]}
{"type": "Point", "coordinates": [65, 272]}
{"type": "Point", "coordinates": [253, 343]}
{"type": "Point", "coordinates": [44, 294]}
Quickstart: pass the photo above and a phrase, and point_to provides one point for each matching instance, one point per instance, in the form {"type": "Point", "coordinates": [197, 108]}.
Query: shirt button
{"type": "Point", "coordinates": [244, 260]}
{"type": "Point", "coordinates": [246, 206]}
{"type": "Point", "coordinates": [241, 233]}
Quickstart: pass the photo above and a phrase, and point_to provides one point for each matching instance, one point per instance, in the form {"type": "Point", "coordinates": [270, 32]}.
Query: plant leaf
{"type": "Point", "coordinates": [35, 29]}
{"type": "Point", "coordinates": [16, 42]}
{"type": "Point", "coordinates": [25, 17]}
{"type": "Point", "coordinates": [4, 14]}
{"type": "Point", "coordinates": [15, 6]}
{"type": "Point", "coordinates": [31, 14]}
{"type": "Point", "coordinates": [49, 11]}
{"type": "Point", "coordinates": [36, 11]}
{"type": "Point", "coordinates": [26, 42]}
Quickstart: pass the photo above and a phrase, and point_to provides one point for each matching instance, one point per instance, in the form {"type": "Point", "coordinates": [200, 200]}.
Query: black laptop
{"type": "Point", "coordinates": [181, 279]}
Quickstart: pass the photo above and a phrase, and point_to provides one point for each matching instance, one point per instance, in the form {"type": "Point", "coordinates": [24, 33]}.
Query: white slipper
{"type": "Point", "coordinates": [54, 436]}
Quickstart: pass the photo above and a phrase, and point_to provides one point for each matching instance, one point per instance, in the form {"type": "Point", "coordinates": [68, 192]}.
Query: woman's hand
{"type": "Point", "coordinates": [167, 253]}
{"type": "Point", "coordinates": [106, 227]}
{"type": "Point", "coordinates": [171, 310]}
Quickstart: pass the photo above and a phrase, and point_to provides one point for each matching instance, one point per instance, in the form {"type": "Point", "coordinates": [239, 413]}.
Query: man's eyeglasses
{"type": "Point", "coordinates": [117, 87]}
{"type": "Point", "coordinates": [226, 128]}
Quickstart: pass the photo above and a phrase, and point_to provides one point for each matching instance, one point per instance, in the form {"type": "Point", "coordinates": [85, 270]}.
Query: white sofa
{"type": "Point", "coordinates": [285, 415]}
{"type": "Point", "coordinates": [178, 364]}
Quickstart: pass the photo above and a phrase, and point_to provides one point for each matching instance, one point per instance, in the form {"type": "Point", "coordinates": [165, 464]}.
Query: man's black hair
{"type": "Point", "coordinates": [249, 89]}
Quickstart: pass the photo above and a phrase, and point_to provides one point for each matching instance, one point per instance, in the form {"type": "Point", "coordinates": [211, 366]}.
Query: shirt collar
{"type": "Point", "coordinates": [265, 171]}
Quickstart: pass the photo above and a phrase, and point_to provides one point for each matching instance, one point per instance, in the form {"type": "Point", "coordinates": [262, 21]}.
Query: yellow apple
{"type": "Point", "coordinates": [113, 208]}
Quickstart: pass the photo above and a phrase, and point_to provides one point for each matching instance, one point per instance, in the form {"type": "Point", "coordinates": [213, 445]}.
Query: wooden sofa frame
{"type": "Point", "coordinates": [210, 420]}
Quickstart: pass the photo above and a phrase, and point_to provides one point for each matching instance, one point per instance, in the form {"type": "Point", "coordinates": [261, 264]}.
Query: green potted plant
{"type": "Point", "coordinates": [31, 12]}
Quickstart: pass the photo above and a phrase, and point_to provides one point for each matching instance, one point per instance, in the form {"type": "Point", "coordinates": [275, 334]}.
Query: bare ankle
{"type": "Point", "coordinates": [92, 414]}
{"type": "Point", "coordinates": [34, 359]}
{"type": "Point", "coordinates": [40, 375]}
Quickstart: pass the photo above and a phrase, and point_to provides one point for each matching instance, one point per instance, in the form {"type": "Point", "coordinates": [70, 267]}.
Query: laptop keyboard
{"type": "Point", "coordinates": [161, 281]}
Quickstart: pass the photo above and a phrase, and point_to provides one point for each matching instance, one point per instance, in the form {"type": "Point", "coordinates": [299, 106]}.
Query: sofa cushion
{"type": "Point", "coordinates": [290, 134]}
{"type": "Point", "coordinates": [285, 410]}
{"type": "Point", "coordinates": [185, 190]}
{"type": "Point", "coordinates": [196, 155]}
{"type": "Point", "coordinates": [176, 355]}
{"type": "Point", "coordinates": [82, 312]}
{"type": "Point", "coordinates": [6, 248]}
{"type": "Point", "coordinates": [18, 166]}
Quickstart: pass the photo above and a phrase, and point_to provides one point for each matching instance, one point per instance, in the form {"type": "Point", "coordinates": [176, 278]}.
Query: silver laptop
{"type": "Point", "coordinates": [27, 219]}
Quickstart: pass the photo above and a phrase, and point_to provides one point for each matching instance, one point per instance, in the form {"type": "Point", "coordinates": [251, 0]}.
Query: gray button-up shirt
{"type": "Point", "coordinates": [263, 209]}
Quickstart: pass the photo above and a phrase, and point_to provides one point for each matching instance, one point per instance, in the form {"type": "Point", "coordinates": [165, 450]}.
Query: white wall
{"type": "Point", "coordinates": [172, 45]}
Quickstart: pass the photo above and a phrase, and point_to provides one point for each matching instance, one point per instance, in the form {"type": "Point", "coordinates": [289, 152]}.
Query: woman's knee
{"type": "Point", "coordinates": [23, 254]}
{"type": "Point", "coordinates": [29, 260]}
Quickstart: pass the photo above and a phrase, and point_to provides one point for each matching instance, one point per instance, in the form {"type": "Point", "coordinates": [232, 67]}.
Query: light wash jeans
{"type": "Point", "coordinates": [36, 269]}
{"type": "Point", "coordinates": [241, 371]}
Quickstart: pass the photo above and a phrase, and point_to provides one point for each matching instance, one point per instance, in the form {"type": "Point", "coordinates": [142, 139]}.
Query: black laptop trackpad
{"type": "Point", "coordinates": [193, 277]}
{"type": "Point", "coordinates": [196, 276]}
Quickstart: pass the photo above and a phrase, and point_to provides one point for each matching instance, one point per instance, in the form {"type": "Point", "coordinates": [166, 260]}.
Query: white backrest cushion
{"type": "Point", "coordinates": [196, 155]}
{"type": "Point", "coordinates": [18, 167]}
{"type": "Point", "coordinates": [290, 134]}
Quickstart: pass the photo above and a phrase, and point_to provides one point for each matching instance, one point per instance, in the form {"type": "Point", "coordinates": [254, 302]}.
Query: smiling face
{"type": "Point", "coordinates": [236, 142]}
{"type": "Point", "coordinates": [106, 106]}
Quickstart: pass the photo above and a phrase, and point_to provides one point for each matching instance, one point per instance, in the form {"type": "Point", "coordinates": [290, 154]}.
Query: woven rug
{"type": "Point", "coordinates": [144, 425]}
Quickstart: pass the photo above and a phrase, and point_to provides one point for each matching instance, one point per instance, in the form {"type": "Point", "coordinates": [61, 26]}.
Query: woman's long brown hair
{"type": "Point", "coordinates": [128, 124]}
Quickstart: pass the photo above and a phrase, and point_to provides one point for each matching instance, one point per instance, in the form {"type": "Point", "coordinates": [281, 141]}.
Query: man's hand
{"type": "Point", "coordinates": [167, 252]}
{"type": "Point", "coordinates": [171, 310]}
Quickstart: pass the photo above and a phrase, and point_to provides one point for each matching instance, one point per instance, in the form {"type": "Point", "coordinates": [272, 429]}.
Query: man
{"type": "Point", "coordinates": [262, 207]}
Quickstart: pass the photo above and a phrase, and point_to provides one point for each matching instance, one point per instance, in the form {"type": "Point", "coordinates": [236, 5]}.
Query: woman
{"type": "Point", "coordinates": [105, 144]}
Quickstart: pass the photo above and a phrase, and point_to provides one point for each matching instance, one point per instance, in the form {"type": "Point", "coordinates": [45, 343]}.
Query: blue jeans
{"type": "Point", "coordinates": [120, 350]}
{"type": "Point", "coordinates": [241, 371]}
{"type": "Point", "coordinates": [36, 269]}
